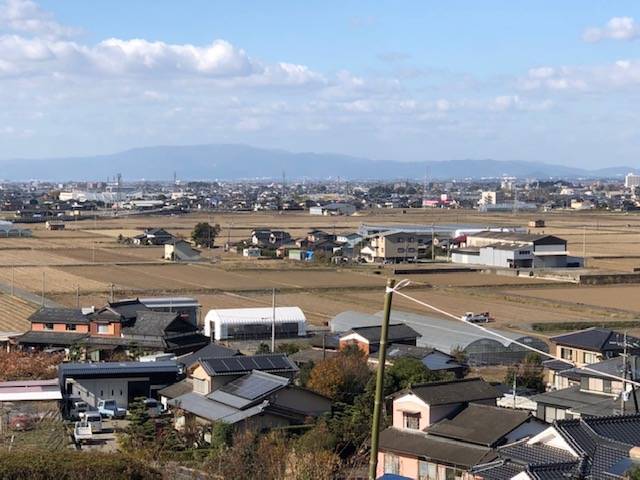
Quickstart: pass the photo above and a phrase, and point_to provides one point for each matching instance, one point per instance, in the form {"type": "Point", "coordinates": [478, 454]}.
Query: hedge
{"type": "Point", "coordinates": [570, 326]}
{"type": "Point", "coordinates": [73, 465]}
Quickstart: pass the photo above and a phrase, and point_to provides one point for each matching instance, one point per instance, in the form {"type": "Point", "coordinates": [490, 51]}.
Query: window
{"type": "Point", "coordinates": [103, 329]}
{"type": "Point", "coordinates": [48, 326]}
{"type": "Point", "coordinates": [590, 357]}
{"type": "Point", "coordinates": [70, 327]}
{"type": "Point", "coordinates": [400, 239]}
{"type": "Point", "coordinates": [553, 413]}
{"type": "Point", "coordinates": [606, 386]}
{"type": "Point", "coordinates": [411, 250]}
{"type": "Point", "coordinates": [427, 470]}
{"type": "Point", "coordinates": [401, 250]}
{"type": "Point", "coordinates": [421, 241]}
{"type": "Point", "coordinates": [411, 239]}
{"type": "Point", "coordinates": [524, 252]}
{"type": "Point", "coordinates": [566, 353]}
{"type": "Point", "coordinates": [391, 463]}
{"type": "Point", "coordinates": [411, 420]}
{"type": "Point", "coordinates": [451, 473]}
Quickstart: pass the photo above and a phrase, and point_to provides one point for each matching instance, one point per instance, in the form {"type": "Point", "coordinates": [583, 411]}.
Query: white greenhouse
{"type": "Point", "coordinates": [254, 323]}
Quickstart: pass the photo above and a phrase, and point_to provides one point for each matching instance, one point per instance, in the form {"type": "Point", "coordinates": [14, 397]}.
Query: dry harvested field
{"type": "Point", "coordinates": [14, 313]}
{"type": "Point", "coordinates": [623, 297]}
{"type": "Point", "coordinates": [228, 280]}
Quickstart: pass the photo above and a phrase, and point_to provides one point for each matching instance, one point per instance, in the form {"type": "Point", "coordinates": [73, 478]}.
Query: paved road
{"type": "Point", "coordinates": [28, 296]}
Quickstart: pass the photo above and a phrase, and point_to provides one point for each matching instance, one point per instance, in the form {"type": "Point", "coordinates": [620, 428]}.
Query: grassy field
{"type": "Point", "coordinates": [87, 256]}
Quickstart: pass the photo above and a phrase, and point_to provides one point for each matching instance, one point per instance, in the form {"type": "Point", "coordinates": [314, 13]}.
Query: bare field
{"type": "Point", "coordinates": [55, 279]}
{"type": "Point", "coordinates": [623, 297]}
{"type": "Point", "coordinates": [14, 313]}
{"type": "Point", "coordinates": [470, 279]}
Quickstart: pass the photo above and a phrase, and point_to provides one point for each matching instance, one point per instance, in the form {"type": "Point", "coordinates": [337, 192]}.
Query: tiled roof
{"type": "Point", "coordinates": [480, 424]}
{"type": "Point", "coordinates": [211, 350]}
{"type": "Point", "coordinates": [452, 391]}
{"type": "Point", "coordinates": [58, 315]}
{"type": "Point", "coordinates": [52, 338]}
{"type": "Point", "coordinates": [440, 450]}
{"type": "Point", "coordinates": [596, 339]}
{"type": "Point", "coordinates": [534, 454]}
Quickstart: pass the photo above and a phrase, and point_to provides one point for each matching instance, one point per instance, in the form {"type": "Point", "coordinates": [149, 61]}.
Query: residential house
{"type": "Point", "coordinates": [154, 236]}
{"type": "Point", "coordinates": [593, 345]}
{"type": "Point", "coordinates": [433, 359]}
{"type": "Point", "coordinates": [442, 430]}
{"type": "Point", "coordinates": [367, 339]}
{"type": "Point", "coordinates": [256, 399]}
{"type": "Point", "coordinates": [209, 374]}
{"type": "Point", "coordinates": [395, 246]}
{"type": "Point", "coordinates": [124, 325]}
{"type": "Point", "coordinates": [592, 392]}
{"type": "Point", "coordinates": [590, 448]}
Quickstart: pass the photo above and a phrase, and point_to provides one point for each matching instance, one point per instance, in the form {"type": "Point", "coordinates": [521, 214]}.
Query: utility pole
{"type": "Point", "coordinates": [273, 321]}
{"type": "Point", "coordinates": [43, 287]}
{"type": "Point", "coordinates": [433, 247]}
{"type": "Point", "coordinates": [382, 358]}
{"type": "Point", "coordinates": [13, 279]}
{"type": "Point", "coordinates": [111, 292]}
{"type": "Point", "coordinates": [584, 242]}
{"type": "Point", "coordinates": [77, 296]}
{"type": "Point", "coordinates": [624, 375]}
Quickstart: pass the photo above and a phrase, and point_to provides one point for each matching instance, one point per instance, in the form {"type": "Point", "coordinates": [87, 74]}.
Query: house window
{"type": "Point", "coordinates": [400, 239]}
{"type": "Point", "coordinates": [391, 463]}
{"type": "Point", "coordinates": [566, 353]}
{"type": "Point", "coordinates": [401, 250]}
{"type": "Point", "coordinates": [71, 327]}
{"type": "Point", "coordinates": [411, 420]}
{"type": "Point", "coordinates": [552, 413]}
{"type": "Point", "coordinates": [411, 250]}
{"type": "Point", "coordinates": [590, 357]}
{"type": "Point", "coordinates": [427, 470]}
{"type": "Point", "coordinates": [48, 326]}
{"type": "Point", "coordinates": [421, 241]}
{"type": "Point", "coordinates": [411, 239]}
{"type": "Point", "coordinates": [606, 386]}
{"type": "Point", "coordinates": [451, 473]}
{"type": "Point", "coordinates": [103, 329]}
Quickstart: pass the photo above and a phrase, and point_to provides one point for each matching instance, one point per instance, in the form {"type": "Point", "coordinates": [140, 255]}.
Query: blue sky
{"type": "Point", "coordinates": [548, 81]}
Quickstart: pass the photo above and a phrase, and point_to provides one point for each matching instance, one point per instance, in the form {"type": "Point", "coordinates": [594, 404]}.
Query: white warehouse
{"type": "Point", "coordinates": [254, 323]}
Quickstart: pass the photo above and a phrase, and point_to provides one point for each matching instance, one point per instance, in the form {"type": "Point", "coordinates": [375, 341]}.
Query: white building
{"type": "Point", "coordinates": [253, 323]}
{"type": "Point", "coordinates": [631, 180]}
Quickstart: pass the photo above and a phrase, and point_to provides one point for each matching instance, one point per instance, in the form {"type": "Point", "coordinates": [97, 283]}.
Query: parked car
{"type": "Point", "coordinates": [82, 432]}
{"type": "Point", "coordinates": [471, 317]}
{"type": "Point", "coordinates": [110, 409]}
{"type": "Point", "coordinates": [77, 407]}
{"type": "Point", "coordinates": [21, 422]}
{"type": "Point", "coordinates": [93, 418]}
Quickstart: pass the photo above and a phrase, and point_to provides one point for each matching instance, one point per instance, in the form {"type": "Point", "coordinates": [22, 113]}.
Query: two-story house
{"type": "Point", "coordinates": [592, 392]}
{"type": "Point", "coordinates": [396, 246]}
{"type": "Point", "coordinates": [441, 430]}
{"type": "Point", "coordinates": [367, 339]}
{"type": "Point", "coordinates": [585, 347]}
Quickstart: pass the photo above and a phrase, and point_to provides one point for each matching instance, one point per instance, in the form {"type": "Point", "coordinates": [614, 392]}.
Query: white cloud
{"type": "Point", "coordinates": [619, 74]}
{"type": "Point", "coordinates": [618, 28]}
{"type": "Point", "coordinates": [26, 16]}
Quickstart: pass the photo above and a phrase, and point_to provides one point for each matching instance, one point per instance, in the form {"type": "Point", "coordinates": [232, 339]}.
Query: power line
{"type": "Point", "coordinates": [507, 339]}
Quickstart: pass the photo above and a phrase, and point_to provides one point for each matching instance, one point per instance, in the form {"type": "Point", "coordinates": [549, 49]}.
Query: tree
{"type": "Point", "coordinates": [342, 377]}
{"type": "Point", "coordinates": [409, 371]}
{"type": "Point", "coordinates": [28, 366]}
{"type": "Point", "coordinates": [263, 348]}
{"type": "Point", "coordinates": [141, 431]}
{"type": "Point", "coordinates": [204, 235]}
{"type": "Point", "coordinates": [528, 374]}
{"type": "Point", "coordinates": [289, 348]}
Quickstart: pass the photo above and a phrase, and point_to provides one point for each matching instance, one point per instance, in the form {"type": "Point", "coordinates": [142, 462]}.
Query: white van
{"type": "Point", "coordinates": [93, 418]}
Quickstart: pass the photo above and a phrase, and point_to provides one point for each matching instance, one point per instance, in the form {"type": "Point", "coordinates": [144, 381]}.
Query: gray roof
{"type": "Point", "coordinates": [117, 368]}
{"type": "Point", "coordinates": [597, 339]}
{"type": "Point", "coordinates": [177, 389]}
{"type": "Point", "coordinates": [349, 319]}
{"type": "Point", "coordinates": [611, 366]}
{"type": "Point", "coordinates": [480, 424]}
{"type": "Point", "coordinates": [52, 338]}
{"type": "Point", "coordinates": [396, 332]}
{"type": "Point", "coordinates": [516, 236]}
{"type": "Point", "coordinates": [211, 350]}
{"type": "Point", "coordinates": [58, 315]}
{"type": "Point", "coordinates": [439, 450]}
{"type": "Point", "coordinates": [151, 323]}
{"type": "Point", "coordinates": [203, 407]}
{"type": "Point", "coordinates": [452, 391]}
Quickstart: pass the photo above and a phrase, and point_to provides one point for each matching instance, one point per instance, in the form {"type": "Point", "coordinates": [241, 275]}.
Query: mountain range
{"type": "Point", "coordinates": [235, 162]}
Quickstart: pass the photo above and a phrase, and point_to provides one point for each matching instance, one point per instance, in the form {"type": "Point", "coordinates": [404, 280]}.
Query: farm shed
{"type": "Point", "coordinates": [253, 323]}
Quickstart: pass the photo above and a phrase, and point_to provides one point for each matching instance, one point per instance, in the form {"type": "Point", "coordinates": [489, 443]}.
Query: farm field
{"type": "Point", "coordinates": [226, 280]}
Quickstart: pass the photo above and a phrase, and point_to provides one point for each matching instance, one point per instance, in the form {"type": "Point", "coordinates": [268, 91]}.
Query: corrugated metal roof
{"type": "Point", "coordinates": [114, 368]}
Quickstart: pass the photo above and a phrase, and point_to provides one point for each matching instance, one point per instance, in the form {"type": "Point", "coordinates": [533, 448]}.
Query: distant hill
{"type": "Point", "coordinates": [232, 162]}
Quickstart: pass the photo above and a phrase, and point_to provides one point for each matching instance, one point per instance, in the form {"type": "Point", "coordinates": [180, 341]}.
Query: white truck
{"type": "Point", "coordinates": [471, 317]}
{"type": "Point", "coordinates": [82, 432]}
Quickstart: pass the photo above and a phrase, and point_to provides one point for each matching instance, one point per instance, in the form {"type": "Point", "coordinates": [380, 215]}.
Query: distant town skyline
{"type": "Point", "coordinates": [555, 82]}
